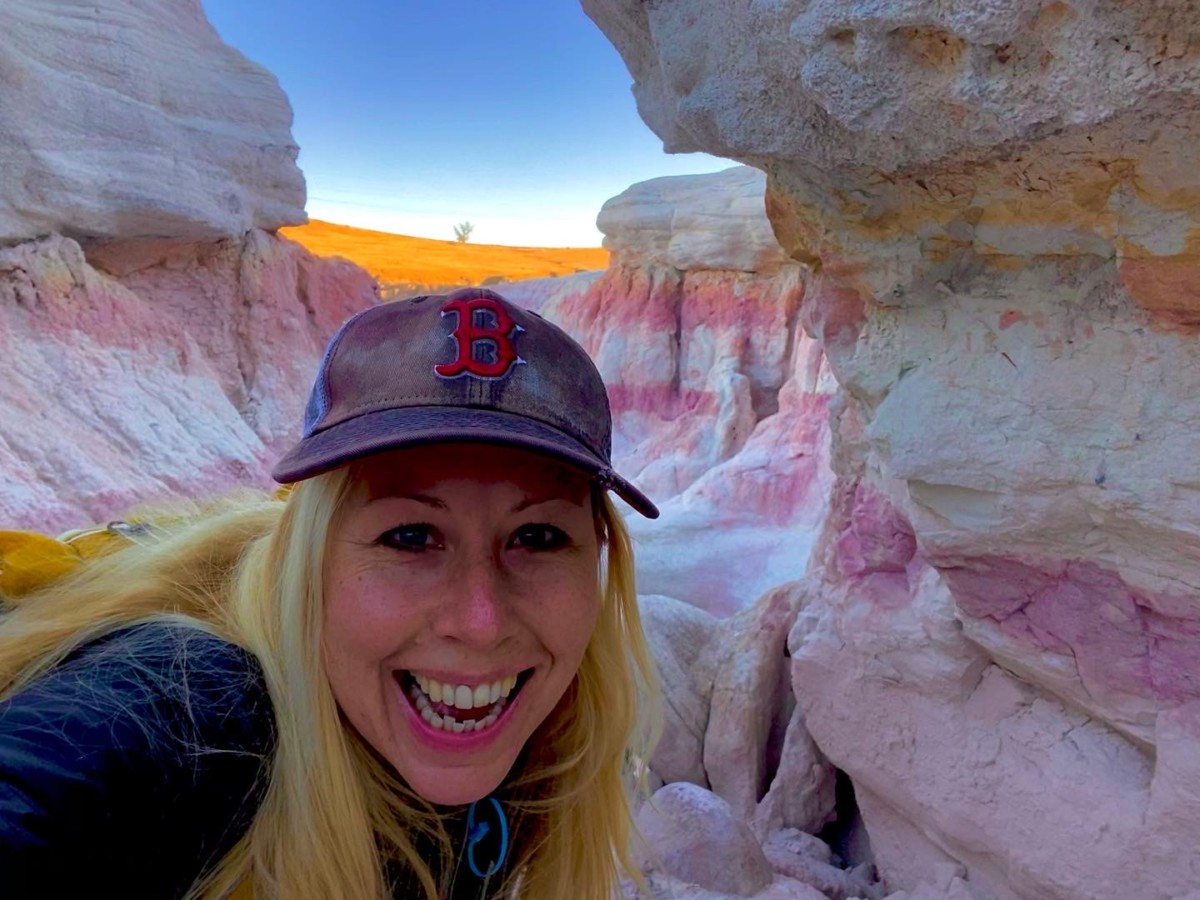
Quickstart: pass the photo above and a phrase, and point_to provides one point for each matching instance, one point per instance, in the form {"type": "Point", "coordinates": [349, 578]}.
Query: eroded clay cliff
{"type": "Point", "coordinates": [155, 341]}
{"type": "Point", "coordinates": [998, 204]}
{"type": "Point", "coordinates": [719, 397]}
{"type": "Point", "coordinates": [149, 371]}
{"type": "Point", "coordinates": [132, 119]}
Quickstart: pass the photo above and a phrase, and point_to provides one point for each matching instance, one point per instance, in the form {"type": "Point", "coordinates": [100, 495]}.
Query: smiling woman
{"type": "Point", "coordinates": [451, 636]}
{"type": "Point", "coordinates": [422, 673]}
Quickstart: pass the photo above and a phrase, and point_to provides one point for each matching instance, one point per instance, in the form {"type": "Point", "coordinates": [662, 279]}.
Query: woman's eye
{"type": "Point", "coordinates": [539, 537]}
{"type": "Point", "coordinates": [410, 537]}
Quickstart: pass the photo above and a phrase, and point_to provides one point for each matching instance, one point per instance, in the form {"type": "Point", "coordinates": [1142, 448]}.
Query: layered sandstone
{"type": "Point", "coordinates": [998, 203]}
{"type": "Point", "coordinates": [132, 119]}
{"type": "Point", "coordinates": [720, 411]}
{"type": "Point", "coordinates": [155, 341]}
{"type": "Point", "coordinates": [719, 397]}
{"type": "Point", "coordinates": [147, 371]}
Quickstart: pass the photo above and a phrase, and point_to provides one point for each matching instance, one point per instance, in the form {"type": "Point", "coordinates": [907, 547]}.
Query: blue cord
{"type": "Point", "coordinates": [477, 832]}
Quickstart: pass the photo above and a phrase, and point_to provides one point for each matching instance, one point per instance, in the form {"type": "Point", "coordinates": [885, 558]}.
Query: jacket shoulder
{"type": "Point", "coordinates": [134, 765]}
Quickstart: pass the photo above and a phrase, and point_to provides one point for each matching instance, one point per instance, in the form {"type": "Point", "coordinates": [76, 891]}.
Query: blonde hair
{"type": "Point", "coordinates": [249, 570]}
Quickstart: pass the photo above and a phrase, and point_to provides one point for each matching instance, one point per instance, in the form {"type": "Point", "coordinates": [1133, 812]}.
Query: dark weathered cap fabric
{"type": "Point", "coordinates": [466, 366]}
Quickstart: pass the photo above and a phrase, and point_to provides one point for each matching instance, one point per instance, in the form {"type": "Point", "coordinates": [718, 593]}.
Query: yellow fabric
{"type": "Point", "coordinates": [29, 560]}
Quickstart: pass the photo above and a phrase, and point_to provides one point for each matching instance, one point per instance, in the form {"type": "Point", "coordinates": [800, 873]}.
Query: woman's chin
{"type": "Point", "coordinates": [450, 776]}
{"type": "Point", "coordinates": [452, 787]}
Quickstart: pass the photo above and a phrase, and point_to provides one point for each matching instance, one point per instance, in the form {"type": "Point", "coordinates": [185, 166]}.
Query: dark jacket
{"type": "Point", "coordinates": [130, 769]}
{"type": "Point", "coordinates": [133, 767]}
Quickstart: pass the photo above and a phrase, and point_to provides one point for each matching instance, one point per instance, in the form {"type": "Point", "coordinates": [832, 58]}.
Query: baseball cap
{"type": "Point", "coordinates": [465, 366]}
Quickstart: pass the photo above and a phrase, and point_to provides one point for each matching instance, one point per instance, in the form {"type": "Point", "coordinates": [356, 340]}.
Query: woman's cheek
{"type": "Point", "coordinates": [364, 612]}
{"type": "Point", "coordinates": [575, 568]}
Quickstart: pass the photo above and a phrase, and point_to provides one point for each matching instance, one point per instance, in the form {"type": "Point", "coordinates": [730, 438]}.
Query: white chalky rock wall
{"type": "Point", "coordinates": [999, 205]}
{"type": "Point", "coordinates": [132, 119]}
{"type": "Point", "coordinates": [155, 341]}
{"type": "Point", "coordinates": [719, 397]}
{"type": "Point", "coordinates": [720, 410]}
{"type": "Point", "coordinates": [155, 370]}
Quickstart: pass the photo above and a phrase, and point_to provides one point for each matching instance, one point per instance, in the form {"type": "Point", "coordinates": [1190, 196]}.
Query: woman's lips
{"type": "Point", "coordinates": [445, 726]}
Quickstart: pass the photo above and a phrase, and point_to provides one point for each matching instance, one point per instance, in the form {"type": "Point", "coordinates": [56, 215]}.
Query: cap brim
{"type": "Point", "coordinates": [391, 429]}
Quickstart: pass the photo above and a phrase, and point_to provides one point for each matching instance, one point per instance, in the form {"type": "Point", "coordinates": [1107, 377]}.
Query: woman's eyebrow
{"type": "Point", "coordinates": [426, 499]}
{"type": "Point", "coordinates": [545, 498]}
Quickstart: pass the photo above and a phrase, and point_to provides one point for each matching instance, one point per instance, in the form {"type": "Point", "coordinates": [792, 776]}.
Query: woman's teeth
{"type": "Point", "coordinates": [426, 692]}
{"type": "Point", "coordinates": [465, 696]}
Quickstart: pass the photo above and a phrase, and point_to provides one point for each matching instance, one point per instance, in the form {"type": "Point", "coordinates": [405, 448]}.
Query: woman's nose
{"type": "Point", "coordinates": [477, 610]}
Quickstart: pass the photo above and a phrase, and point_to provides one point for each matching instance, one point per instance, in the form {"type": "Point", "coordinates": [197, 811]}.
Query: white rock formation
{"type": "Point", "coordinates": [719, 398]}
{"type": "Point", "coordinates": [713, 222]}
{"type": "Point", "coordinates": [171, 353]}
{"type": "Point", "coordinates": [684, 642]}
{"type": "Point", "coordinates": [809, 860]}
{"type": "Point", "coordinates": [730, 719]}
{"type": "Point", "coordinates": [999, 204]}
{"type": "Point", "coordinates": [692, 845]}
{"type": "Point", "coordinates": [692, 833]}
{"type": "Point", "coordinates": [155, 370]}
{"type": "Point", "coordinates": [131, 119]}
{"type": "Point", "coordinates": [892, 85]}
{"type": "Point", "coordinates": [751, 701]}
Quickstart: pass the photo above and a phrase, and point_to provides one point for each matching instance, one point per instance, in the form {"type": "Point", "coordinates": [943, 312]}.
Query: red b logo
{"type": "Point", "coordinates": [484, 337]}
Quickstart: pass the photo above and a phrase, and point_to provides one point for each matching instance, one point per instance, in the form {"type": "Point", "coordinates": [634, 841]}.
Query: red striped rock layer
{"type": "Point", "coordinates": [719, 403]}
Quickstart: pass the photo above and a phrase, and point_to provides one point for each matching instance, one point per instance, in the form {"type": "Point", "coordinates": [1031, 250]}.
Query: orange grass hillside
{"type": "Point", "coordinates": [422, 263]}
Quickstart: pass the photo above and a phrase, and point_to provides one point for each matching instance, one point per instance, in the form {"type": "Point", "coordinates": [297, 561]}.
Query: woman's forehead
{"type": "Point", "coordinates": [421, 468]}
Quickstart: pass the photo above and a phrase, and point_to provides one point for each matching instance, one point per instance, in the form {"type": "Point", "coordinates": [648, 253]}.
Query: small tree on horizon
{"type": "Point", "coordinates": [462, 232]}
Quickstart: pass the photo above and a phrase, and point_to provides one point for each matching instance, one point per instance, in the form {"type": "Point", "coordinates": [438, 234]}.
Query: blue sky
{"type": "Point", "coordinates": [414, 115]}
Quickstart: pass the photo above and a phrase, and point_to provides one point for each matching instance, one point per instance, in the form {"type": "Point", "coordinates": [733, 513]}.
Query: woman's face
{"type": "Point", "coordinates": [461, 588]}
